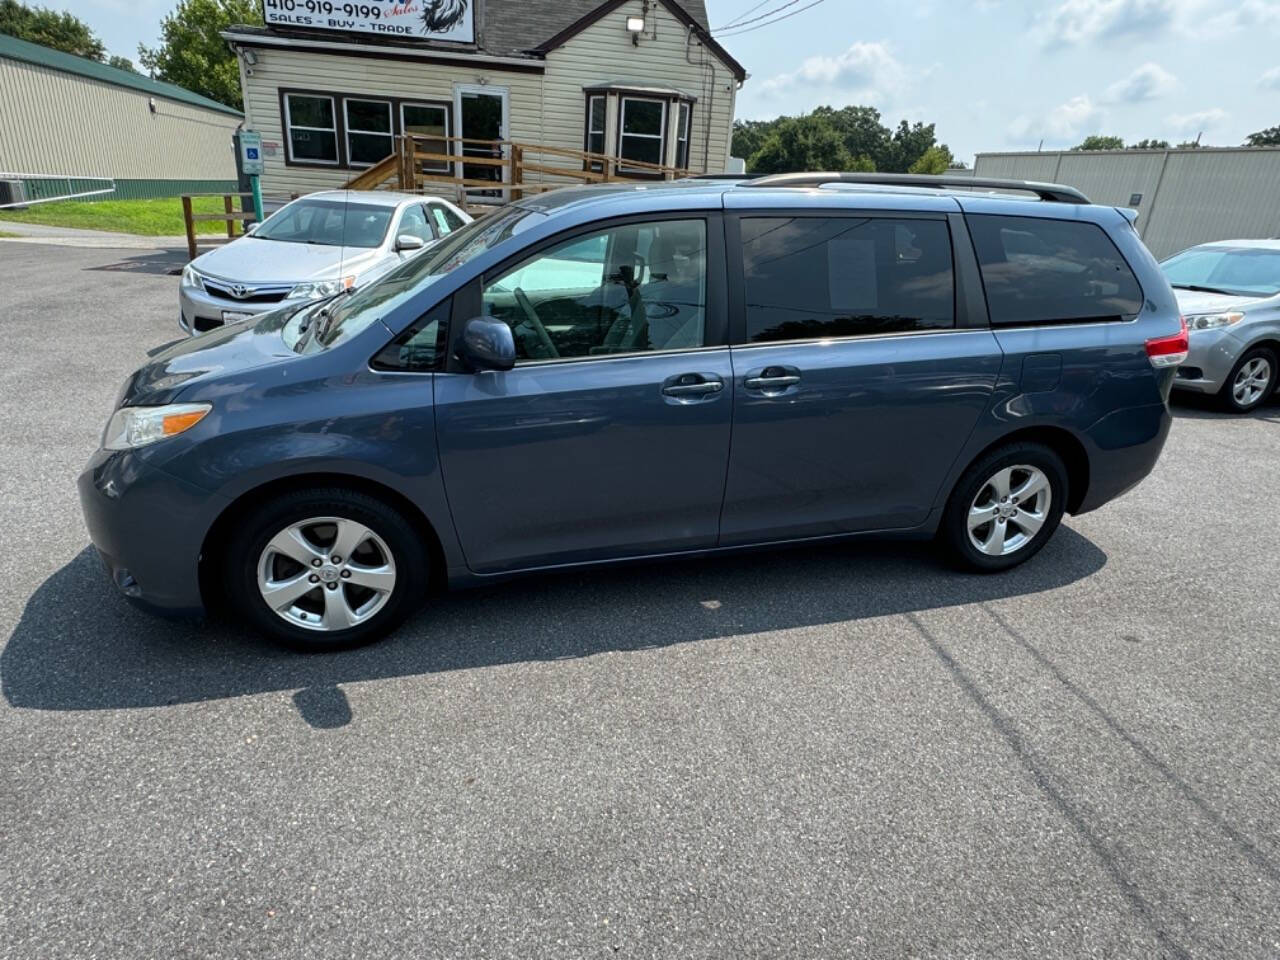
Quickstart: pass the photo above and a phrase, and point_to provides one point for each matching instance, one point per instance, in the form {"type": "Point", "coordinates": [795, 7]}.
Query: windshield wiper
{"type": "Point", "coordinates": [1199, 288]}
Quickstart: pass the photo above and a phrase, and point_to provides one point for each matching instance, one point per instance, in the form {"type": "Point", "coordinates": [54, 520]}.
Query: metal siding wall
{"type": "Point", "coordinates": [55, 122]}
{"type": "Point", "coordinates": [1203, 195]}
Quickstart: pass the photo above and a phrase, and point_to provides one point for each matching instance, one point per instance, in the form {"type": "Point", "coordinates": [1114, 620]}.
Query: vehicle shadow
{"type": "Point", "coordinates": [1194, 406]}
{"type": "Point", "coordinates": [79, 646]}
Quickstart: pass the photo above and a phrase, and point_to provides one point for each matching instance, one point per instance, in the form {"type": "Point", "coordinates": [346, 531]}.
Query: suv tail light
{"type": "Point", "coordinates": [1169, 351]}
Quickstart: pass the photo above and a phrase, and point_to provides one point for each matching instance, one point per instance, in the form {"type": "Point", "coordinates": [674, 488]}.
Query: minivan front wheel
{"type": "Point", "coordinates": [1005, 507]}
{"type": "Point", "coordinates": [325, 569]}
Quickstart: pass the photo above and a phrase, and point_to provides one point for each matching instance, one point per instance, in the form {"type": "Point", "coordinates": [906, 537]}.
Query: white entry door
{"type": "Point", "coordinates": [481, 113]}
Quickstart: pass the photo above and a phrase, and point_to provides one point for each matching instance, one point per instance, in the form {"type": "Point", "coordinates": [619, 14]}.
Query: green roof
{"type": "Point", "coordinates": [15, 49]}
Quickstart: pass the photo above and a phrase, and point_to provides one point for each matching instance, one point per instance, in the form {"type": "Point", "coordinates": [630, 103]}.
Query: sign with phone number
{"type": "Point", "coordinates": [421, 19]}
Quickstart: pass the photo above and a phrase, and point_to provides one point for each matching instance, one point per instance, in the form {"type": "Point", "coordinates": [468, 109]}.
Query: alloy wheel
{"type": "Point", "coordinates": [326, 573]}
{"type": "Point", "coordinates": [1251, 382]}
{"type": "Point", "coordinates": [1009, 510]}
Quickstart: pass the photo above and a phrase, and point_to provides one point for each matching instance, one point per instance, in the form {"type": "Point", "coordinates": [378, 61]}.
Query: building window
{"type": "Point", "coordinates": [429, 122]}
{"type": "Point", "coordinates": [369, 138]}
{"type": "Point", "coordinates": [310, 123]}
{"type": "Point", "coordinates": [597, 108]}
{"type": "Point", "coordinates": [684, 115]}
{"type": "Point", "coordinates": [641, 130]}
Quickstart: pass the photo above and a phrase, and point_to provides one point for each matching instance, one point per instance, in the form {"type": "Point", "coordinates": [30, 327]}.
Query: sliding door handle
{"type": "Point", "coordinates": [772, 383]}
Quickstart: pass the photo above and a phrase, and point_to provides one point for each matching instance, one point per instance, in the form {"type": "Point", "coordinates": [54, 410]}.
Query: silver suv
{"type": "Point", "coordinates": [1229, 291]}
{"type": "Point", "coordinates": [311, 249]}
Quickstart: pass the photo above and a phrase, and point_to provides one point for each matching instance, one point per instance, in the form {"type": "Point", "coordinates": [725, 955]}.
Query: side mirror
{"type": "Point", "coordinates": [487, 344]}
{"type": "Point", "coordinates": [407, 241]}
{"type": "Point", "coordinates": [250, 228]}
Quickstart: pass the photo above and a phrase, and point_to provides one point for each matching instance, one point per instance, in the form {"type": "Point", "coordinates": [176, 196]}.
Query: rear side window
{"type": "Point", "coordinates": [1052, 271]}
{"type": "Point", "coordinates": [809, 278]}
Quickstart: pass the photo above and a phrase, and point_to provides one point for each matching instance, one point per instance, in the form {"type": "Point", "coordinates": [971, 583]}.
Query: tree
{"type": "Point", "coordinates": [192, 55]}
{"type": "Point", "coordinates": [1149, 145]}
{"type": "Point", "coordinates": [1189, 145]}
{"type": "Point", "coordinates": [1099, 142]}
{"type": "Point", "coordinates": [908, 144]}
{"type": "Point", "coordinates": [860, 128]}
{"type": "Point", "coordinates": [49, 28]}
{"type": "Point", "coordinates": [935, 160]}
{"type": "Point", "coordinates": [122, 63]}
{"type": "Point", "coordinates": [749, 136]}
{"type": "Point", "coordinates": [805, 143]}
{"type": "Point", "coordinates": [1269, 137]}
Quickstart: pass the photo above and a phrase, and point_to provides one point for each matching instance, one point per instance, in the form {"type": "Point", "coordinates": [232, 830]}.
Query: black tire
{"type": "Point", "coordinates": [954, 533]}
{"type": "Point", "coordinates": [1227, 396]}
{"type": "Point", "coordinates": [392, 533]}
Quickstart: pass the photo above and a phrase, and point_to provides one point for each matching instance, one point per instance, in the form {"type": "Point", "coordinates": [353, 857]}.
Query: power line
{"type": "Point", "coordinates": [733, 25]}
{"type": "Point", "coordinates": [745, 13]}
{"type": "Point", "coordinates": [769, 23]}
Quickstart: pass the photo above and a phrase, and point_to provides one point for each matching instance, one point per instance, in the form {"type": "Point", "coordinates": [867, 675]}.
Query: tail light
{"type": "Point", "coordinates": [1169, 351]}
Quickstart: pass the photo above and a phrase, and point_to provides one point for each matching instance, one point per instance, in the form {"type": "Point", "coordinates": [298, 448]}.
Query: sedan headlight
{"type": "Point", "coordinates": [1210, 321]}
{"type": "Point", "coordinates": [131, 427]}
{"type": "Point", "coordinates": [320, 290]}
{"type": "Point", "coordinates": [191, 278]}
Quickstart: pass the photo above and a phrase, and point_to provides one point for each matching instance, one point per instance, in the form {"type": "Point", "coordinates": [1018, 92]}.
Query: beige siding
{"type": "Point", "coordinates": [279, 69]}
{"type": "Point", "coordinates": [603, 53]}
{"type": "Point", "coordinates": [59, 123]}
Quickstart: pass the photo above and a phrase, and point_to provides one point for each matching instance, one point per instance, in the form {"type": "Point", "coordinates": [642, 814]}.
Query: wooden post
{"type": "Point", "coordinates": [517, 171]}
{"type": "Point", "coordinates": [231, 224]}
{"type": "Point", "coordinates": [191, 227]}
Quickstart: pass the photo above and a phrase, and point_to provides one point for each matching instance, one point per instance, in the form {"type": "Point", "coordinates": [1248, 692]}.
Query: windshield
{"type": "Point", "coordinates": [328, 223]}
{"type": "Point", "coordinates": [351, 316]}
{"type": "Point", "coordinates": [1234, 270]}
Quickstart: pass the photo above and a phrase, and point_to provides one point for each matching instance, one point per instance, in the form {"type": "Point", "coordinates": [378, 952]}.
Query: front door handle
{"type": "Point", "coordinates": [692, 386]}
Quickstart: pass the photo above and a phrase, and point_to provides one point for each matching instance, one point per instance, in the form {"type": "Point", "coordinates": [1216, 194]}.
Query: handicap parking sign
{"type": "Point", "coordinates": [251, 152]}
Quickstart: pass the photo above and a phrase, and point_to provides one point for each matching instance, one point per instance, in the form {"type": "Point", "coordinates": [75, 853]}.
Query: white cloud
{"type": "Point", "coordinates": [1148, 82]}
{"type": "Point", "coordinates": [1270, 80]}
{"type": "Point", "coordinates": [868, 70]}
{"type": "Point", "coordinates": [1191, 123]}
{"type": "Point", "coordinates": [1074, 22]}
{"type": "Point", "coordinates": [1067, 121]}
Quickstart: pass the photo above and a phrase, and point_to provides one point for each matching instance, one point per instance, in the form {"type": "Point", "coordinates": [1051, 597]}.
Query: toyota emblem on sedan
{"type": "Point", "coordinates": [239, 290]}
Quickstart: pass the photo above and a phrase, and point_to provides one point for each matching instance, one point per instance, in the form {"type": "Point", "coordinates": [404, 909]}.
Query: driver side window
{"type": "Point", "coordinates": [632, 289]}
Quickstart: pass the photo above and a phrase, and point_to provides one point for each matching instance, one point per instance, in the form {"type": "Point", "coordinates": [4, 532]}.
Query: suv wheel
{"type": "Point", "coordinates": [1005, 507]}
{"type": "Point", "coordinates": [1252, 380]}
{"type": "Point", "coordinates": [325, 569]}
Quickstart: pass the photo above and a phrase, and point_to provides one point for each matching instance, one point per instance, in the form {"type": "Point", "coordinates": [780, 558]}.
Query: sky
{"type": "Point", "coordinates": [992, 75]}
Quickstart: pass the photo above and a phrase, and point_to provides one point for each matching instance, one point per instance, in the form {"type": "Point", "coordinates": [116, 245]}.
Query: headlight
{"type": "Point", "coordinates": [316, 291]}
{"type": "Point", "coordinates": [190, 278]}
{"type": "Point", "coordinates": [131, 427]}
{"type": "Point", "coordinates": [1208, 321]}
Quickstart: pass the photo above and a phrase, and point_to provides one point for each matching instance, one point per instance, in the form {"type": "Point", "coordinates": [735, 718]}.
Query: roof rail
{"type": "Point", "coordinates": [1049, 192]}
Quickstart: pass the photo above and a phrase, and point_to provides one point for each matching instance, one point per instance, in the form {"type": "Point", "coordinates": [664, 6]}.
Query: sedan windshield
{"type": "Point", "coordinates": [349, 317]}
{"type": "Point", "coordinates": [328, 223]}
{"type": "Point", "coordinates": [1244, 271]}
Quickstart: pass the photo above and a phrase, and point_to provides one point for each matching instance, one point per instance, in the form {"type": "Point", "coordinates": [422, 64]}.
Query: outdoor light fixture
{"type": "Point", "coordinates": [635, 27]}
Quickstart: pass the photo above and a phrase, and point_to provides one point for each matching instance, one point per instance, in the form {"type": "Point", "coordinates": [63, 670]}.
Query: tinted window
{"type": "Point", "coordinates": [418, 347]}
{"type": "Point", "coordinates": [1052, 271]}
{"type": "Point", "coordinates": [631, 289]}
{"type": "Point", "coordinates": [816, 277]}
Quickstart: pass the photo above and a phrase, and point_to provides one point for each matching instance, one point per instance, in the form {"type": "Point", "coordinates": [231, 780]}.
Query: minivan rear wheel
{"type": "Point", "coordinates": [1005, 507]}
{"type": "Point", "coordinates": [1252, 380]}
{"type": "Point", "coordinates": [325, 569]}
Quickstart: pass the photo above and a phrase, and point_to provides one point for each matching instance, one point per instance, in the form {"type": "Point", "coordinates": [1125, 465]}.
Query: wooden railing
{"type": "Point", "coordinates": [436, 165]}
{"type": "Point", "coordinates": [230, 216]}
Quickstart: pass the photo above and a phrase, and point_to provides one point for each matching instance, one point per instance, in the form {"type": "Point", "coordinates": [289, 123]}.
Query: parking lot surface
{"type": "Point", "coordinates": [835, 751]}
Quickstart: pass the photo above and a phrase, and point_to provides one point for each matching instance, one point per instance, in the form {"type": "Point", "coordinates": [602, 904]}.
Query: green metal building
{"type": "Point", "coordinates": [82, 121]}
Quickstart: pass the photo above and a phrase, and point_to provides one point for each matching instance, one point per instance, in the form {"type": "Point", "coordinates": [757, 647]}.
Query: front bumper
{"type": "Point", "coordinates": [1210, 358]}
{"type": "Point", "coordinates": [149, 528]}
{"type": "Point", "coordinates": [200, 311]}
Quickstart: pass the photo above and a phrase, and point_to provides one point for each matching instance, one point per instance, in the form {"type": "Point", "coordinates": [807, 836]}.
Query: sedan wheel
{"type": "Point", "coordinates": [1252, 381]}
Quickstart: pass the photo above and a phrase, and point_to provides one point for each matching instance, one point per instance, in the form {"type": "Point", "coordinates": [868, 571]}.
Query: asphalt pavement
{"type": "Point", "coordinates": [824, 752]}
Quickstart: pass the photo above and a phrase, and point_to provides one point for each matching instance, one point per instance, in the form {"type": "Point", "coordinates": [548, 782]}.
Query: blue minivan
{"type": "Point", "coordinates": [622, 372]}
